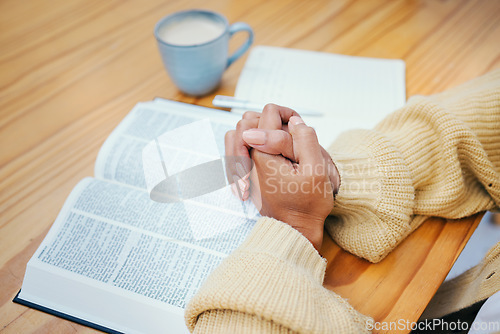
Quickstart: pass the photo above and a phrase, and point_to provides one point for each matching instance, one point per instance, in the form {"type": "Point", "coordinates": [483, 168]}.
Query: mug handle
{"type": "Point", "coordinates": [234, 28]}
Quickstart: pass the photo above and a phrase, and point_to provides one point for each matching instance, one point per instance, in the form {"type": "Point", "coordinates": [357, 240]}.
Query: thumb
{"type": "Point", "coordinates": [270, 142]}
{"type": "Point", "coordinates": [306, 148]}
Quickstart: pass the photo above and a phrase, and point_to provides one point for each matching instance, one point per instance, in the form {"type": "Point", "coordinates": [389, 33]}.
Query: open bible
{"type": "Point", "coordinates": [118, 261]}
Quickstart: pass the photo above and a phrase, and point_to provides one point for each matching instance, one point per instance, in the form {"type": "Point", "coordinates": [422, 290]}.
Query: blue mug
{"type": "Point", "coordinates": [196, 68]}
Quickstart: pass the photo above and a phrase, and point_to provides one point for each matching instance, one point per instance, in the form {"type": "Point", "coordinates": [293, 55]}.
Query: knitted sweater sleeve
{"type": "Point", "coordinates": [273, 283]}
{"type": "Point", "coordinates": [437, 156]}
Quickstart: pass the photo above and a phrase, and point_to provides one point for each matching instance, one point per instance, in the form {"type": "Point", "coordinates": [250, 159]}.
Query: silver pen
{"type": "Point", "coordinates": [233, 102]}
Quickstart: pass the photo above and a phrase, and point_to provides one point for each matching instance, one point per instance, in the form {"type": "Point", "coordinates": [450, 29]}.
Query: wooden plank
{"type": "Point", "coordinates": [397, 289]}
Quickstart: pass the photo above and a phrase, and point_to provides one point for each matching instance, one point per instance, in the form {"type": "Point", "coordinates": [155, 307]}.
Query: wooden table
{"type": "Point", "coordinates": [71, 70]}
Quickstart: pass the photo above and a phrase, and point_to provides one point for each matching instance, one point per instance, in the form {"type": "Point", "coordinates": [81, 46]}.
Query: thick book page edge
{"type": "Point", "coordinates": [95, 302]}
{"type": "Point", "coordinates": [62, 315]}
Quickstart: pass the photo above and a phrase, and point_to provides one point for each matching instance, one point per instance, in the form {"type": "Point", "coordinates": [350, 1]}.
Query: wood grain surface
{"type": "Point", "coordinates": [71, 70]}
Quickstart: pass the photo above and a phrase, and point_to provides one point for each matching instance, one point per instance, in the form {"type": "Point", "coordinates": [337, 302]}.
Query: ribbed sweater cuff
{"type": "Point", "coordinates": [280, 240]}
{"type": "Point", "coordinates": [375, 176]}
{"type": "Point", "coordinates": [375, 200]}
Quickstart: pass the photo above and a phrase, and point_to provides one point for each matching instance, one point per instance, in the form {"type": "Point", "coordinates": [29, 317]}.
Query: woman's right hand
{"type": "Point", "coordinates": [266, 132]}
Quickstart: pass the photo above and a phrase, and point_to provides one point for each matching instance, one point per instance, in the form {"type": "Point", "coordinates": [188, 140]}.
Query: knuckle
{"type": "Point", "coordinates": [283, 137]}
{"type": "Point", "coordinates": [311, 131]}
{"type": "Point", "coordinates": [245, 124]}
{"type": "Point", "coordinates": [249, 115]}
{"type": "Point", "coordinates": [229, 135]}
{"type": "Point", "coordinates": [269, 108]}
{"type": "Point", "coordinates": [305, 131]}
{"type": "Point", "coordinates": [246, 115]}
{"type": "Point", "coordinates": [240, 126]}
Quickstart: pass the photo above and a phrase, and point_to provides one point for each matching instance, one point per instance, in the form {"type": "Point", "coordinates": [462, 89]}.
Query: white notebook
{"type": "Point", "coordinates": [351, 92]}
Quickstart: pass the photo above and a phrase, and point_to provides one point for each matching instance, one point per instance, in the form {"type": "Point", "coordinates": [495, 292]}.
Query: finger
{"type": "Point", "coordinates": [238, 147]}
{"type": "Point", "coordinates": [251, 115]}
{"type": "Point", "coordinates": [254, 192]}
{"type": "Point", "coordinates": [238, 190]}
{"type": "Point", "coordinates": [306, 147]}
{"type": "Point", "coordinates": [246, 123]}
{"type": "Point", "coordinates": [241, 147]}
{"type": "Point", "coordinates": [270, 141]}
{"type": "Point", "coordinates": [274, 116]}
{"type": "Point", "coordinates": [229, 142]}
{"type": "Point", "coordinates": [237, 158]}
{"type": "Point", "coordinates": [333, 173]}
{"type": "Point", "coordinates": [234, 150]}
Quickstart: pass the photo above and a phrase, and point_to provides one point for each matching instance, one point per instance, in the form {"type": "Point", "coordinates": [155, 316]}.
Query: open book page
{"type": "Point", "coordinates": [116, 258]}
{"type": "Point", "coordinates": [351, 92]}
{"type": "Point", "coordinates": [120, 157]}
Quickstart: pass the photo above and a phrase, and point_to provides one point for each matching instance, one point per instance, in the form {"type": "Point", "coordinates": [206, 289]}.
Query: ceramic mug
{"type": "Point", "coordinates": [196, 68]}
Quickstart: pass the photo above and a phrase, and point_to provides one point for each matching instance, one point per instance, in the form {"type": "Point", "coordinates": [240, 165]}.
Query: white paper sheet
{"type": "Point", "coordinates": [352, 92]}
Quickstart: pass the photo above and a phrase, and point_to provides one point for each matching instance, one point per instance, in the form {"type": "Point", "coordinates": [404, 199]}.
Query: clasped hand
{"type": "Point", "coordinates": [292, 178]}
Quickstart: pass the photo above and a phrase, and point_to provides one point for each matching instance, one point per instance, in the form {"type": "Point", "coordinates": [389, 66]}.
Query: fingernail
{"type": "Point", "coordinates": [243, 185]}
{"type": "Point", "coordinates": [295, 120]}
{"type": "Point", "coordinates": [246, 195]}
{"type": "Point", "coordinates": [254, 137]}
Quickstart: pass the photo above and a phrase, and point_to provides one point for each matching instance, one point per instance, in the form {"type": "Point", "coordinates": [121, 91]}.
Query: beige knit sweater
{"type": "Point", "coordinates": [438, 155]}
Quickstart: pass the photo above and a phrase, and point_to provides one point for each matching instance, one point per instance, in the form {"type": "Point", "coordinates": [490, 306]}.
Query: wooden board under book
{"type": "Point", "coordinates": [400, 286]}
